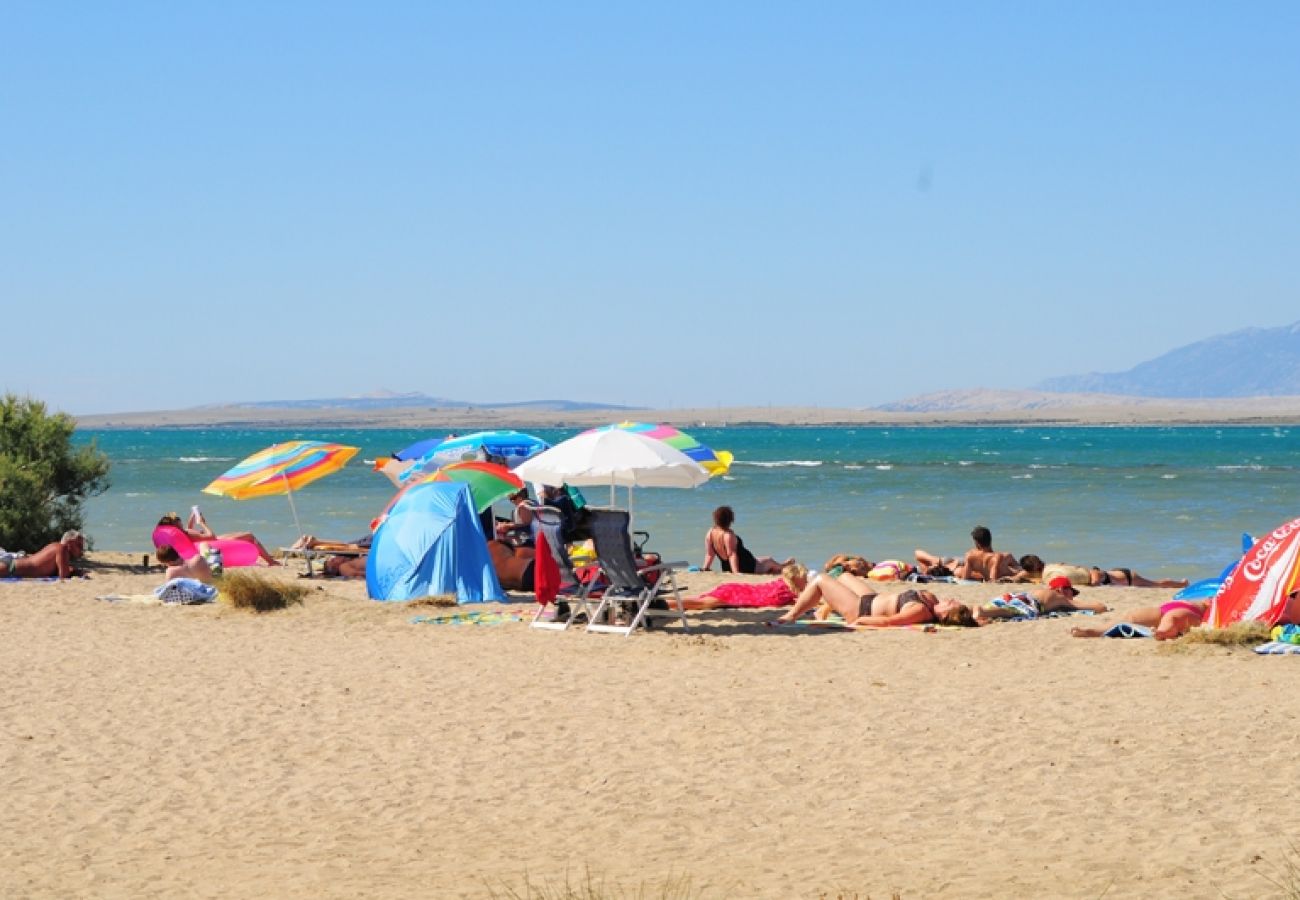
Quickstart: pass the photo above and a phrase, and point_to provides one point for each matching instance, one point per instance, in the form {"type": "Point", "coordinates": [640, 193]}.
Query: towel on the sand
{"type": "Point", "coordinates": [469, 618]}
{"type": "Point", "coordinates": [186, 591]}
{"type": "Point", "coordinates": [1278, 648]}
{"type": "Point", "coordinates": [741, 595]}
{"type": "Point", "coordinates": [1127, 630]}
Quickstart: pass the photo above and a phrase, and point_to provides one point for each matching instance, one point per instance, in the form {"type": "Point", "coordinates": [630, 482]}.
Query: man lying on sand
{"type": "Point", "coordinates": [52, 559]}
{"type": "Point", "coordinates": [1059, 596]}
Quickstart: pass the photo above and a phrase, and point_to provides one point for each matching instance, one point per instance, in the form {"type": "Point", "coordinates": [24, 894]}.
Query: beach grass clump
{"type": "Point", "coordinates": [249, 590]}
{"type": "Point", "coordinates": [1238, 634]}
{"type": "Point", "coordinates": [435, 600]}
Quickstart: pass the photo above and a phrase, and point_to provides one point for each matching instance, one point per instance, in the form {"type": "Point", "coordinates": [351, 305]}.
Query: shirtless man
{"type": "Point", "coordinates": [981, 563]}
{"type": "Point", "coordinates": [52, 559]}
{"type": "Point", "coordinates": [196, 568]}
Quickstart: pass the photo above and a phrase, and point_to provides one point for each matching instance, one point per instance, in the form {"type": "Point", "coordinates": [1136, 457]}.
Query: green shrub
{"type": "Point", "coordinates": [43, 479]}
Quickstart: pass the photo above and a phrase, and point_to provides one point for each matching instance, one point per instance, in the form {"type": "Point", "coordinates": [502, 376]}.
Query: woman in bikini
{"type": "Point", "coordinates": [724, 544]}
{"type": "Point", "coordinates": [858, 603]}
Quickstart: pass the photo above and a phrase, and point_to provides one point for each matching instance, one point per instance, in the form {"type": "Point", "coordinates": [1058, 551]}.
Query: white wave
{"type": "Point", "coordinates": [883, 467]}
{"type": "Point", "coordinates": [1251, 468]}
{"type": "Point", "coordinates": [1168, 477]}
{"type": "Point", "coordinates": [1022, 477]}
{"type": "Point", "coordinates": [206, 459]}
{"type": "Point", "coordinates": [854, 468]}
{"type": "Point", "coordinates": [778, 464]}
{"type": "Point", "coordinates": [965, 462]}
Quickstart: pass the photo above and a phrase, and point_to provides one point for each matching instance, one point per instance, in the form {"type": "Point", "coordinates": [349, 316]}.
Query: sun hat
{"type": "Point", "coordinates": [1061, 583]}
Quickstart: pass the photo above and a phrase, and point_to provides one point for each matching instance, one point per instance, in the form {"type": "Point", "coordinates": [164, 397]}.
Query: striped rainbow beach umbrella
{"type": "Point", "coordinates": [281, 469]}
{"type": "Point", "coordinates": [715, 462]}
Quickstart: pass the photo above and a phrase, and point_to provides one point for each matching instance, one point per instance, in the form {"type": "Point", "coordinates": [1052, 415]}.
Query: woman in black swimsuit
{"type": "Point", "coordinates": [858, 603]}
{"type": "Point", "coordinates": [730, 550]}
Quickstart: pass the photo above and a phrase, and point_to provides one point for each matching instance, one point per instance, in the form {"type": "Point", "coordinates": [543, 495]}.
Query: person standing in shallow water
{"type": "Point", "coordinates": [724, 544]}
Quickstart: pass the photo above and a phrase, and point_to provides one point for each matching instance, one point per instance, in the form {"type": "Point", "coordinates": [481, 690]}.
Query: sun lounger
{"type": "Point", "coordinates": [631, 589]}
{"type": "Point", "coordinates": [322, 551]}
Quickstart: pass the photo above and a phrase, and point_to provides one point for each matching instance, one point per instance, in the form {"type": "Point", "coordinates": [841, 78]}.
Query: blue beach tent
{"type": "Point", "coordinates": [431, 542]}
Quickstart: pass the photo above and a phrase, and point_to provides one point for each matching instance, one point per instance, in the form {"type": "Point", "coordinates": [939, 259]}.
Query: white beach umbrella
{"type": "Point", "coordinates": [614, 457]}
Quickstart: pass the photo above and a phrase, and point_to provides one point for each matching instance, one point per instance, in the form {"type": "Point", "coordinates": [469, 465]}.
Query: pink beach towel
{"type": "Point", "coordinates": [743, 595]}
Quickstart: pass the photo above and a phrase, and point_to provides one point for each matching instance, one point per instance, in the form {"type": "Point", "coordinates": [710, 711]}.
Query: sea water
{"type": "Point", "coordinates": [1166, 501]}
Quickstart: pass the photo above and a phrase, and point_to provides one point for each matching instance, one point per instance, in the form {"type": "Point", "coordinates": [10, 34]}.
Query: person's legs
{"type": "Point", "coordinates": [1143, 615]}
{"type": "Point", "coordinates": [926, 560]}
{"type": "Point", "coordinates": [848, 595]}
{"type": "Point", "coordinates": [766, 565]}
{"type": "Point", "coordinates": [1137, 580]}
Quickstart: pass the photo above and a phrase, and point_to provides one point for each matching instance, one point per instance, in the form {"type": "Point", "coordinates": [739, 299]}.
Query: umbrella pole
{"type": "Point", "coordinates": [288, 492]}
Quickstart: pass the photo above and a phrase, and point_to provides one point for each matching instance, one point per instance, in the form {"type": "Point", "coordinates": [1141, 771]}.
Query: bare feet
{"type": "Point", "coordinates": [1078, 631]}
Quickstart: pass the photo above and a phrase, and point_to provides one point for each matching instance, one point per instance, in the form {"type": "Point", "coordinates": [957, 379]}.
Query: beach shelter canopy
{"type": "Point", "coordinates": [281, 469]}
{"type": "Point", "coordinates": [488, 483]}
{"type": "Point", "coordinates": [431, 543]}
{"type": "Point", "coordinates": [613, 457]}
{"type": "Point", "coordinates": [1258, 588]}
{"type": "Point", "coordinates": [715, 462]}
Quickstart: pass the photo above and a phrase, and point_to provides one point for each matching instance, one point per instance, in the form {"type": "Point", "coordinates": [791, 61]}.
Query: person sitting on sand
{"type": "Point", "coordinates": [196, 567]}
{"type": "Point", "coordinates": [197, 530]}
{"type": "Point", "coordinates": [858, 603]}
{"type": "Point", "coordinates": [981, 562]}
{"type": "Point", "coordinates": [52, 559]}
{"type": "Point", "coordinates": [1059, 596]}
{"type": "Point", "coordinates": [724, 544]}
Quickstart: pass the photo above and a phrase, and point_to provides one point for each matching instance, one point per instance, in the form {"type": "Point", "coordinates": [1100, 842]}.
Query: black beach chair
{"type": "Point", "coordinates": [632, 590]}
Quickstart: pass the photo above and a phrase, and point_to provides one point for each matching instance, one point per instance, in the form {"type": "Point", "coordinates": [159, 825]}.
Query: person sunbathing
{"type": "Point", "coordinates": [197, 530]}
{"type": "Point", "coordinates": [858, 603]}
{"type": "Point", "coordinates": [1060, 595]}
{"type": "Point", "coordinates": [1177, 617]}
{"type": "Point", "coordinates": [981, 562]}
{"type": "Point", "coordinates": [196, 567]}
{"type": "Point", "coordinates": [1033, 569]}
{"type": "Point", "coordinates": [52, 559]}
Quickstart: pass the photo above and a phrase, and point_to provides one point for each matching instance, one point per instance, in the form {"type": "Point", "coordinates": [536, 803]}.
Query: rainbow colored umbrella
{"type": "Point", "coordinates": [715, 462]}
{"type": "Point", "coordinates": [281, 469]}
{"type": "Point", "coordinates": [488, 483]}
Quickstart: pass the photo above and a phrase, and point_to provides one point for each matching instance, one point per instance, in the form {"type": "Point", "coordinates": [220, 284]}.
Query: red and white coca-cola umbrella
{"type": "Point", "coordinates": [1258, 589]}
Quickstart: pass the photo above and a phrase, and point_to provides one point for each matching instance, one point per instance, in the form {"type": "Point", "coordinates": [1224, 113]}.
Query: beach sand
{"type": "Point", "coordinates": [336, 749]}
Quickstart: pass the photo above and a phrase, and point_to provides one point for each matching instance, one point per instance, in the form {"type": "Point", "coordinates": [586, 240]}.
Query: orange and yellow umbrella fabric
{"type": "Point", "coordinates": [280, 469]}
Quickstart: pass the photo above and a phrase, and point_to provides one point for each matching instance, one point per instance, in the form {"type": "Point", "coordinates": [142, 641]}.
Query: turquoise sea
{"type": "Point", "coordinates": [1169, 502]}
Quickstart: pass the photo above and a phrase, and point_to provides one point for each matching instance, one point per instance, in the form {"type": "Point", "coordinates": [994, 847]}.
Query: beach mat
{"type": "Point", "coordinates": [1278, 648]}
{"type": "Point", "coordinates": [469, 618]}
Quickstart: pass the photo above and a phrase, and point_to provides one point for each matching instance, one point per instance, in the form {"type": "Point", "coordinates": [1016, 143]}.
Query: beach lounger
{"type": "Point", "coordinates": [322, 552]}
{"type": "Point", "coordinates": [548, 523]}
{"type": "Point", "coordinates": [631, 589]}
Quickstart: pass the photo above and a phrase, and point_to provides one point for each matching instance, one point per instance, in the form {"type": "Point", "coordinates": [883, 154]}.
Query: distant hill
{"type": "Point", "coordinates": [1255, 362]}
{"type": "Point", "coordinates": [389, 400]}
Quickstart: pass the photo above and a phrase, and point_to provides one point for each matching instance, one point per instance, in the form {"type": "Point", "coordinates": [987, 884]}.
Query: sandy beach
{"type": "Point", "coordinates": [338, 749]}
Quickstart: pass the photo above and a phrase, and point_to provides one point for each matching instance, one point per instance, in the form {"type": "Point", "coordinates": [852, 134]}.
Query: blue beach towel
{"type": "Point", "coordinates": [186, 591]}
{"type": "Point", "coordinates": [1278, 648]}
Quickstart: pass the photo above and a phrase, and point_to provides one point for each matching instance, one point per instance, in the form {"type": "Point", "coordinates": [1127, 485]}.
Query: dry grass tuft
{"type": "Point", "coordinates": [1239, 634]}
{"type": "Point", "coordinates": [435, 600]}
{"type": "Point", "coordinates": [249, 590]}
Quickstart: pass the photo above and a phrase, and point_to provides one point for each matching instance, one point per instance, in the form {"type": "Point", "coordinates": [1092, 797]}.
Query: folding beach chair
{"type": "Point", "coordinates": [633, 590]}
{"type": "Point", "coordinates": [548, 524]}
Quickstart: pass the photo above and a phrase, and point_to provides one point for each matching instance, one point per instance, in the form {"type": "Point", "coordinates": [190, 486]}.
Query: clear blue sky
{"type": "Point", "coordinates": [671, 205]}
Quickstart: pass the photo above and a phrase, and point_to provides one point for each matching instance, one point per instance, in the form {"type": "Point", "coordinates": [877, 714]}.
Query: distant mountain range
{"type": "Point", "coordinates": [390, 400]}
{"type": "Point", "coordinates": [1255, 362]}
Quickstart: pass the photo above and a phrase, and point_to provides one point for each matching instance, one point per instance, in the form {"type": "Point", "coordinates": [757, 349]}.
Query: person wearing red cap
{"type": "Point", "coordinates": [1059, 596]}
